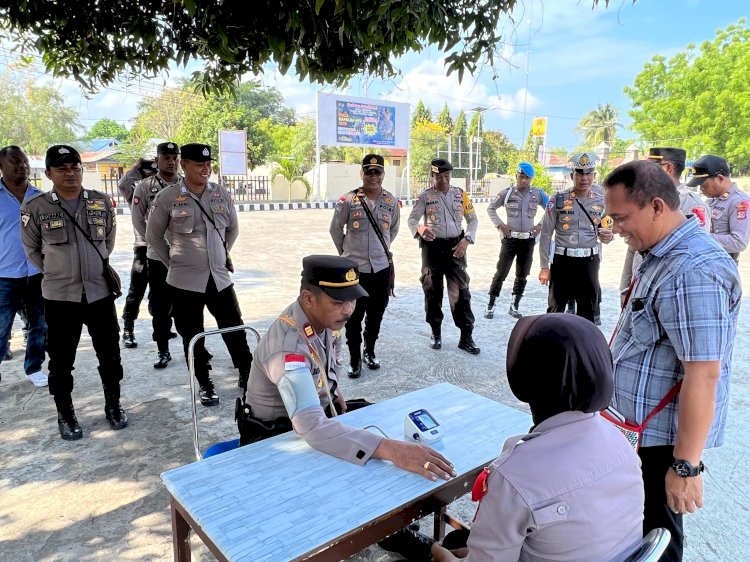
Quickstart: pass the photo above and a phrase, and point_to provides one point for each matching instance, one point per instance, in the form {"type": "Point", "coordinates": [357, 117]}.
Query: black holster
{"type": "Point", "coordinates": [253, 429]}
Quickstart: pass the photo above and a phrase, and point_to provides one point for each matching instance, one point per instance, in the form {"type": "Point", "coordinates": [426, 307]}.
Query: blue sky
{"type": "Point", "coordinates": [578, 57]}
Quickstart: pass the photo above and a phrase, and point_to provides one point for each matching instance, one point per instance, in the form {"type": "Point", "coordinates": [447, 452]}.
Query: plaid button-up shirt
{"type": "Point", "coordinates": [683, 307]}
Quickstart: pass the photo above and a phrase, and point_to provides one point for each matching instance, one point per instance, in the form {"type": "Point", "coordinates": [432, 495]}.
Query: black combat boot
{"type": "Point", "coordinates": [467, 343]}
{"type": "Point", "coordinates": [490, 310]}
{"type": "Point", "coordinates": [114, 413]}
{"type": "Point", "coordinates": [513, 310]}
{"type": "Point", "coordinates": [67, 423]}
{"type": "Point", "coordinates": [369, 358]}
{"type": "Point", "coordinates": [207, 392]}
{"type": "Point", "coordinates": [128, 337]}
{"type": "Point", "coordinates": [163, 356]}
{"type": "Point", "coordinates": [436, 341]}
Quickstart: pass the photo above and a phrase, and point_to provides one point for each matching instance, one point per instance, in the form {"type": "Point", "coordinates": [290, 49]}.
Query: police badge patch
{"type": "Point", "coordinates": [25, 216]}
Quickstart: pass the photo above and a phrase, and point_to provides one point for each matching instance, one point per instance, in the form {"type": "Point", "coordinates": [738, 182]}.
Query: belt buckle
{"type": "Point", "coordinates": [523, 235]}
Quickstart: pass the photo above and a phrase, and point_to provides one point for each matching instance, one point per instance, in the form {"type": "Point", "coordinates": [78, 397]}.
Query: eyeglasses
{"type": "Point", "coordinates": [373, 172]}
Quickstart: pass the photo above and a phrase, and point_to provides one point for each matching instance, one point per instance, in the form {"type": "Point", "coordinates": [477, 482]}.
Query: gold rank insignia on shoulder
{"type": "Point", "coordinates": [724, 196]}
{"type": "Point", "coordinates": [308, 330]}
{"type": "Point", "coordinates": [350, 275]}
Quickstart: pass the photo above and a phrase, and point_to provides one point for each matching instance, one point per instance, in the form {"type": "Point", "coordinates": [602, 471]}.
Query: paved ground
{"type": "Point", "coordinates": [101, 498]}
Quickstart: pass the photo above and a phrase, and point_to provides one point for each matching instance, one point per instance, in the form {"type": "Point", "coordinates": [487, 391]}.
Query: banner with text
{"type": "Point", "coordinates": [347, 121]}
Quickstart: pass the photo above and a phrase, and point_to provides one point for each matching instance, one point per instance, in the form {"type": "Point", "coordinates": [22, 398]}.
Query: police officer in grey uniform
{"type": "Point", "coordinates": [442, 209]}
{"type": "Point", "coordinates": [73, 286]}
{"type": "Point", "coordinates": [355, 237]}
{"type": "Point", "coordinates": [672, 161]}
{"type": "Point", "coordinates": [295, 376]}
{"type": "Point", "coordinates": [142, 169]}
{"type": "Point", "coordinates": [519, 234]}
{"type": "Point", "coordinates": [574, 216]}
{"type": "Point", "coordinates": [200, 224]}
{"type": "Point", "coordinates": [729, 204]}
{"type": "Point", "coordinates": [159, 300]}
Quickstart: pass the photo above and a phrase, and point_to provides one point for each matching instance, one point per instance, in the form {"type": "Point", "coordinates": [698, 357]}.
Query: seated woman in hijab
{"type": "Point", "coordinates": [571, 489]}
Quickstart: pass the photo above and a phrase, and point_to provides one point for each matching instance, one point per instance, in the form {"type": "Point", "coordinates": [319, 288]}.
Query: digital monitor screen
{"type": "Point", "coordinates": [426, 420]}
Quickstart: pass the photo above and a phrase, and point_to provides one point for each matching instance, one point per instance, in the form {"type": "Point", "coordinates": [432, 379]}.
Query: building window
{"type": "Point", "coordinates": [397, 162]}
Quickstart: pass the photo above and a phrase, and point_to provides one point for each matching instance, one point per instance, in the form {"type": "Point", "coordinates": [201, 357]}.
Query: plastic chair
{"type": "Point", "coordinates": [221, 447]}
{"type": "Point", "coordinates": [224, 445]}
{"type": "Point", "coordinates": [652, 547]}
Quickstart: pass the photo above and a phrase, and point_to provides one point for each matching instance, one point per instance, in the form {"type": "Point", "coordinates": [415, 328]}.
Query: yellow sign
{"type": "Point", "coordinates": [539, 126]}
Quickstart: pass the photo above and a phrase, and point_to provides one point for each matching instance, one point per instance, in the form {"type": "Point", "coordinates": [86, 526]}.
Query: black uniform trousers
{"type": "Point", "coordinates": [138, 283]}
{"type": "Point", "coordinates": [187, 310]}
{"type": "Point", "coordinates": [523, 252]}
{"type": "Point", "coordinates": [655, 462]}
{"type": "Point", "coordinates": [577, 279]}
{"type": "Point", "coordinates": [159, 303]}
{"type": "Point", "coordinates": [438, 262]}
{"type": "Point", "coordinates": [371, 308]}
{"type": "Point", "coordinates": [65, 322]}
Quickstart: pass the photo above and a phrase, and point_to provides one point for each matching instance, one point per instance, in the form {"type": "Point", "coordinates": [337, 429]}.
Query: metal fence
{"type": "Point", "coordinates": [243, 189]}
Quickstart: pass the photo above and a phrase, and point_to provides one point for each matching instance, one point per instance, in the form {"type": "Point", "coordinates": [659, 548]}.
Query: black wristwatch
{"type": "Point", "coordinates": [686, 470]}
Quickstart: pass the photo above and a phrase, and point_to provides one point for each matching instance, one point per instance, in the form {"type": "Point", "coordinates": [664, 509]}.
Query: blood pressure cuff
{"type": "Point", "coordinates": [254, 429]}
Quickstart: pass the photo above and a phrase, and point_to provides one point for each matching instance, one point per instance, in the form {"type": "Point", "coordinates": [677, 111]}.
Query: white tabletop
{"type": "Point", "coordinates": [278, 499]}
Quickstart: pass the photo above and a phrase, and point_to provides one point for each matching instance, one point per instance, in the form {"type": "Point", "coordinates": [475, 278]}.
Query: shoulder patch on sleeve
{"type": "Point", "coordinates": [468, 206]}
{"type": "Point", "coordinates": [294, 361]}
{"type": "Point", "coordinates": [25, 216]}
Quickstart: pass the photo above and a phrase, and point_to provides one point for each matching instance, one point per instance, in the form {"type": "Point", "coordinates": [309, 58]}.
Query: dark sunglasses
{"type": "Point", "coordinates": [373, 172]}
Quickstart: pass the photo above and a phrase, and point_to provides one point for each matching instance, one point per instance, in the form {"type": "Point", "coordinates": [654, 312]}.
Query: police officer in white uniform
{"type": "Point", "coordinates": [521, 202]}
{"type": "Point", "coordinates": [574, 217]}
{"type": "Point", "coordinates": [356, 237]}
{"type": "Point", "coordinates": [729, 205]}
{"type": "Point", "coordinates": [74, 287]}
{"type": "Point", "coordinates": [200, 224]}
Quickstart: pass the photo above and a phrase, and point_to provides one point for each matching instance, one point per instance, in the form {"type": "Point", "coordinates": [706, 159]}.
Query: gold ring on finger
{"type": "Point", "coordinates": [426, 465]}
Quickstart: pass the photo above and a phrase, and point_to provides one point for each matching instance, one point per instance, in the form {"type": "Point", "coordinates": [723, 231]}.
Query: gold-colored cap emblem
{"type": "Point", "coordinates": [373, 160]}
{"type": "Point", "coordinates": [584, 160]}
{"type": "Point", "coordinates": [351, 275]}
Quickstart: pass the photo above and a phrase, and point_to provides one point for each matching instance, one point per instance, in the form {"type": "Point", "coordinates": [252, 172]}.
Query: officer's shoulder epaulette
{"type": "Point", "coordinates": [96, 193]}
{"type": "Point", "coordinates": [36, 195]}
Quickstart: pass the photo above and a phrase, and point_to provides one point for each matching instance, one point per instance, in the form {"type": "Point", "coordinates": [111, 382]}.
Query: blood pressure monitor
{"type": "Point", "coordinates": [422, 427]}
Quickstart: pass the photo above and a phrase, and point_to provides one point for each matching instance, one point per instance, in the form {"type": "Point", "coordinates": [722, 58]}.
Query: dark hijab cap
{"type": "Point", "coordinates": [558, 363]}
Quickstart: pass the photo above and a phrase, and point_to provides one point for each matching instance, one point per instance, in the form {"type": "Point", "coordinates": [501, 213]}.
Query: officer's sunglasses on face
{"type": "Point", "coordinates": [373, 172]}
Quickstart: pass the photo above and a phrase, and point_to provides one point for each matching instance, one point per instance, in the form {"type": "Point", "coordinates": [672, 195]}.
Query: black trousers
{"type": "Point", "coordinates": [65, 322]}
{"type": "Point", "coordinates": [577, 279]}
{"type": "Point", "coordinates": [655, 462]}
{"type": "Point", "coordinates": [438, 262]}
{"type": "Point", "coordinates": [187, 310]}
{"type": "Point", "coordinates": [138, 283]}
{"type": "Point", "coordinates": [371, 309]}
{"type": "Point", "coordinates": [159, 303]}
{"type": "Point", "coordinates": [523, 252]}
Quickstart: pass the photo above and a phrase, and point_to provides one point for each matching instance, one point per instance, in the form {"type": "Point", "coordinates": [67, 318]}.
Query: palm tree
{"type": "Point", "coordinates": [600, 125]}
{"type": "Point", "coordinates": [291, 170]}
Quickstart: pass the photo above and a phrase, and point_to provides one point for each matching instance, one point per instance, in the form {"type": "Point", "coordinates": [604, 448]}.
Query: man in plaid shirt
{"type": "Point", "coordinates": [678, 325]}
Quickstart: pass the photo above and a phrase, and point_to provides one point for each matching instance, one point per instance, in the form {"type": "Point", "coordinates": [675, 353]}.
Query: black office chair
{"type": "Point", "coordinates": [652, 547]}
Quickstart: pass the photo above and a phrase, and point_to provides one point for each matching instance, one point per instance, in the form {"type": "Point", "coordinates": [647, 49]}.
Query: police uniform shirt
{"type": "Point", "coordinates": [729, 222]}
{"type": "Point", "coordinates": [70, 264]}
{"type": "Point", "coordinates": [571, 224]}
{"type": "Point", "coordinates": [143, 196]}
{"type": "Point", "coordinates": [285, 347]}
{"type": "Point", "coordinates": [360, 242]}
{"type": "Point", "coordinates": [520, 207]}
{"type": "Point", "coordinates": [692, 204]}
{"type": "Point", "coordinates": [126, 186]}
{"type": "Point", "coordinates": [443, 212]}
{"type": "Point", "coordinates": [193, 249]}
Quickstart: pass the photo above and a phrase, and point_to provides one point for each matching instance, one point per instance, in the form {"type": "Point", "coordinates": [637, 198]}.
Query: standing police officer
{"type": "Point", "coordinates": [74, 288]}
{"type": "Point", "coordinates": [159, 300]}
{"type": "Point", "coordinates": [574, 215]}
{"type": "Point", "coordinates": [200, 223]}
{"type": "Point", "coordinates": [371, 216]}
{"type": "Point", "coordinates": [444, 243]}
{"type": "Point", "coordinates": [729, 204]}
{"type": "Point", "coordinates": [142, 169]}
{"type": "Point", "coordinates": [521, 204]}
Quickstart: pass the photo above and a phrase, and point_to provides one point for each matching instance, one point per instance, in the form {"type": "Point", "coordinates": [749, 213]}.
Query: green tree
{"type": "Point", "coordinates": [459, 129]}
{"type": "Point", "coordinates": [107, 129]}
{"type": "Point", "coordinates": [291, 170]}
{"type": "Point", "coordinates": [600, 125]}
{"type": "Point", "coordinates": [444, 119]}
{"type": "Point", "coordinates": [34, 117]}
{"type": "Point", "coordinates": [497, 151]}
{"type": "Point", "coordinates": [475, 125]}
{"type": "Point", "coordinates": [326, 41]}
{"type": "Point", "coordinates": [421, 114]}
{"type": "Point", "coordinates": [426, 139]}
{"type": "Point", "coordinates": [699, 99]}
